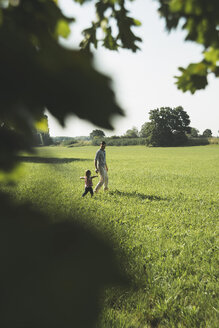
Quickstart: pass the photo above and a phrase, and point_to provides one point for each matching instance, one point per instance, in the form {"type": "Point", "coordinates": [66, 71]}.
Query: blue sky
{"type": "Point", "coordinates": [144, 80]}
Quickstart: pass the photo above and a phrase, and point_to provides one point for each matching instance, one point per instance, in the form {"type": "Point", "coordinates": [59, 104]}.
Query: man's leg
{"type": "Point", "coordinates": [105, 180]}
{"type": "Point", "coordinates": [100, 183]}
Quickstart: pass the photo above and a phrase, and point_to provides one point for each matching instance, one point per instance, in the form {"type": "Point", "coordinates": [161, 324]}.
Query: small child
{"type": "Point", "coordinates": [88, 182]}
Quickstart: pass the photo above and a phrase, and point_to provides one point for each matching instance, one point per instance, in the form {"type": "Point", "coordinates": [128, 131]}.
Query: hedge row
{"type": "Point", "coordinates": [119, 141]}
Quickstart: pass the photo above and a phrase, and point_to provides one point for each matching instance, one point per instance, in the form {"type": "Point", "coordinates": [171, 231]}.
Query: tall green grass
{"type": "Point", "coordinates": [161, 210]}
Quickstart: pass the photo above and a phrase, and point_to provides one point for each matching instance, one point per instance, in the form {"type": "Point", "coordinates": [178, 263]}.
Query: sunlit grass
{"type": "Point", "coordinates": [161, 209]}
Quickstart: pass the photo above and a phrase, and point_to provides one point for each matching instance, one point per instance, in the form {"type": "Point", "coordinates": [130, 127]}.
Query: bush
{"type": "Point", "coordinates": [80, 143]}
{"type": "Point", "coordinates": [125, 141]}
{"type": "Point", "coordinates": [197, 142]}
{"type": "Point", "coordinates": [120, 141]}
{"type": "Point", "coordinates": [68, 142]}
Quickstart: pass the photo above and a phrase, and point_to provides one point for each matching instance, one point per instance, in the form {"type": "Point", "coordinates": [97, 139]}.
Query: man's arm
{"type": "Point", "coordinates": [95, 164]}
{"type": "Point", "coordinates": [95, 161]}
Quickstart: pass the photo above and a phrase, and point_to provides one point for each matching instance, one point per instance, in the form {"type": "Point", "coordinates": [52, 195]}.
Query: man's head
{"type": "Point", "coordinates": [103, 145]}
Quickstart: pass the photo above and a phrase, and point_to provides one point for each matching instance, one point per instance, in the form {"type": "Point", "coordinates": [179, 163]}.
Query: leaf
{"type": "Point", "coordinates": [136, 22]}
{"type": "Point", "coordinates": [193, 78]}
{"type": "Point", "coordinates": [63, 29]}
{"type": "Point", "coordinates": [11, 143]}
{"type": "Point", "coordinates": [212, 55]}
{"type": "Point", "coordinates": [42, 124]}
{"type": "Point", "coordinates": [109, 42]}
{"type": "Point", "coordinates": [66, 80]}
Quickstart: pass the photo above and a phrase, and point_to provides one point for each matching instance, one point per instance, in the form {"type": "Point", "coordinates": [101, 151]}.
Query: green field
{"type": "Point", "coordinates": [162, 210]}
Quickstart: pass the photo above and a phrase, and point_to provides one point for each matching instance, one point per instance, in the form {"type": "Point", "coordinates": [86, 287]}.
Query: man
{"type": "Point", "coordinates": [101, 167]}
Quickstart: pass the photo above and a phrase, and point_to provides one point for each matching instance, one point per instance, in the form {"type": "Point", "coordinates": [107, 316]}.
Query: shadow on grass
{"type": "Point", "coordinates": [77, 261]}
{"type": "Point", "coordinates": [49, 160]}
{"type": "Point", "coordinates": [134, 194]}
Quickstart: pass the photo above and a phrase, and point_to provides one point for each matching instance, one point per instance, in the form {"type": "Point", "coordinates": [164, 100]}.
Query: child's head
{"type": "Point", "coordinates": [87, 173]}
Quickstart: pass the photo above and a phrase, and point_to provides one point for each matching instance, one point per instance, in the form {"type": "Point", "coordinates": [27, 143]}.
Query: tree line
{"type": "Point", "coordinates": [167, 127]}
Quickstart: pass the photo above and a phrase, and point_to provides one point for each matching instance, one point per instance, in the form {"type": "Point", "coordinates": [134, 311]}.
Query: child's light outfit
{"type": "Point", "coordinates": [88, 186]}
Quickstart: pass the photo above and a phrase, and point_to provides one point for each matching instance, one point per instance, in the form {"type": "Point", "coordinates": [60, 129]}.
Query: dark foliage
{"type": "Point", "coordinates": [167, 127]}
{"type": "Point", "coordinates": [97, 134]}
{"type": "Point", "coordinates": [207, 133]}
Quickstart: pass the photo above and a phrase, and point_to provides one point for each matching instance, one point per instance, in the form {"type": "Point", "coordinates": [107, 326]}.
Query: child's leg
{"type": "Point", "coordinates": [91, 191]}
{"type": "Point", "coordinates": [85, 192]}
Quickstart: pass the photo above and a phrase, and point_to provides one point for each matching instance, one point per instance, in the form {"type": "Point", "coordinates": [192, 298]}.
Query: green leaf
{"type": "Point", "coordinates": [193, 78]}
{"type": "Point", "coordinates": [212, 55]}
{"type": "Point", "coordinates": [42, 124]}
{"type": "Point", "coordinates": [63, 29]}
{"type": "Point", "coordinates": [109, 42]}
{"type": "Point", "coordinates": [175, 5]}
{"type": "Point", "coordinates": [136, 22]}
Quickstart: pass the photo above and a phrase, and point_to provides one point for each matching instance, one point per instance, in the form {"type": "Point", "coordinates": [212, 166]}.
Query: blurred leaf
{"type": "Point", "coordinates": [42, 124]}
{"type": "Point", "coordinates": [109, 42]}
{"type": "Point", "coordinates": [107, 12]}
{"type": "Point", "coordinates": [90, 38]}
{"type": "Point", "coordinates": [63, 28]}
{"type": "Point", "coordinates": [127, 37]}
{"type": "Point", "coordinates": [212, 55]}
{"type": "Point", "coordinates": [136, 22]}
{"type": "Point", "coordinates": [11, 143]}
{"type": "Point", "coordinates": [193, 77]}
{"type": "Point", "coordinates": [14, 2]}
{"type": "Point", "coordinates": [175, 5]}
{"type": "Point", "coordinates": [70, 83]}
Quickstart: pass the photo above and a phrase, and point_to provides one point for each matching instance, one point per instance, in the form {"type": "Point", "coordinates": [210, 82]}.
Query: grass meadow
{"type": "Point", "coordinates": [161, 210]}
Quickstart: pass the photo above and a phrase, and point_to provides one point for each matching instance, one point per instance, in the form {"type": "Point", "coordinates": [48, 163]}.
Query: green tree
{"type": "Point", "coordinates": [97, 134]}
{"type": "Point", "coordinates": [132, 133]}
{"type": "Point", "coordinates": [200, 20]}
{"type": "Point", "coordinates": [194, 132]}
{"type": "Point", "coordinates": [167, 127]}
{"type": "Point", "coordinates": [207, 133]}
{"type": "Point", "coordinates": [145, 130]}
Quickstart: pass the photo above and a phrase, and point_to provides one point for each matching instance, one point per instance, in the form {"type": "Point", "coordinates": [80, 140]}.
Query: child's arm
{"type": "Point", "coordinates": [82, 177]}
{"type": "Point", "coordinates": [94, 176]}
